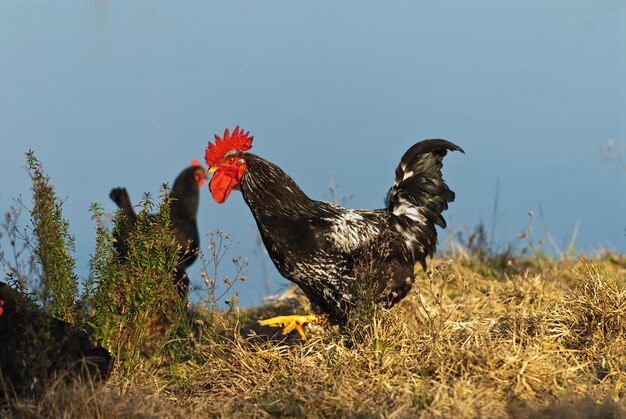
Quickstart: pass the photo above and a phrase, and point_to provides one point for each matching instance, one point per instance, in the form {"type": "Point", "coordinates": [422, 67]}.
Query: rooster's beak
{"type": "Point", "coordinates": [212, 169]}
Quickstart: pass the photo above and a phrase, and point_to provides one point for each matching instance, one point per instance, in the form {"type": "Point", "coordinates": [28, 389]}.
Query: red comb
{"type": "Point", "coordinates": [195, 162]}
{"type": "Point", "coordinates": [238, 141]}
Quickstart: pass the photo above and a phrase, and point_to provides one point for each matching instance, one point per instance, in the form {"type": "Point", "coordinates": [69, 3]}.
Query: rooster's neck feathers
{"type": "Point", "coordinates": [267, 187]}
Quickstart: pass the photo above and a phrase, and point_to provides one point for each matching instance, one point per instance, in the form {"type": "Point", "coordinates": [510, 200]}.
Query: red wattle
{"type": "Point", "coordinates": [221, 185]}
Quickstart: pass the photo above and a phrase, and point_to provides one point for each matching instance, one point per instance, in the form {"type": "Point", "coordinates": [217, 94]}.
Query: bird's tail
{"type": "Point", "coordinates": [419, 195]}
{"type": "Point", "coordinates": [122, 200]}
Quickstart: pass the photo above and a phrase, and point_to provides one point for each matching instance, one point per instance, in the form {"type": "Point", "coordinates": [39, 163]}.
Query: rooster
{"type": "Point", "coordinates": [333, 253]}
{"type": "Point", "coordinates": [185, 196]}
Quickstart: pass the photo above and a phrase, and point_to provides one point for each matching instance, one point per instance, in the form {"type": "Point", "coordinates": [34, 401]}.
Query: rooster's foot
{"type": "Point", "coordinates": [293, 322]}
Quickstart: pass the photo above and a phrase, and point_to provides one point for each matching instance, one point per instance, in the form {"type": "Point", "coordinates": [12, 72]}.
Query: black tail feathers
{"type": "Point", "coordinates": [121, 198]}
{"type": "Point", "coordinates": [419, 189]}
{"type": "Point", "coordinates": [419, 196]}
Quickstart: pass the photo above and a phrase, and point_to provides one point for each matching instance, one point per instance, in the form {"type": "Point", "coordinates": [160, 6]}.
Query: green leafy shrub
{"type": "Point", "coordinates": [133, 301]}
{"type": "Point", "coordinates": [54, 247]}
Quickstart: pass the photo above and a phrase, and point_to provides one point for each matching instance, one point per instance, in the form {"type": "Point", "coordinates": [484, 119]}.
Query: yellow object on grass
{"type": "Point", "coordinates": [289, 323]}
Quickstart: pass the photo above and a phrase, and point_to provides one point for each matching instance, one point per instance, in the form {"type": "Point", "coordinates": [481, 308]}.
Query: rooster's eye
{"type": "Point", "coordinates": [239, 162]}
{"type": "Point", "coordinates": [231, 160]}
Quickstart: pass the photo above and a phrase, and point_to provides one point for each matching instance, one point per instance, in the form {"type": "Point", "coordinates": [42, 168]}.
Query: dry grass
{"type": "Point", "coordinates": [532, 341]}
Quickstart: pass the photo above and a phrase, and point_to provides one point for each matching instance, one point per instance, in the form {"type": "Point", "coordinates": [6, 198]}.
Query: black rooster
{"type": "Point", "coordinates": [326, 249]}
{"type": "Point", "coordinates": [185, 195]}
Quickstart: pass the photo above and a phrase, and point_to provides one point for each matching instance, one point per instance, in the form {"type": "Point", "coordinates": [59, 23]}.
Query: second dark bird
{"type": "Point", "coordinates": [185, 195]}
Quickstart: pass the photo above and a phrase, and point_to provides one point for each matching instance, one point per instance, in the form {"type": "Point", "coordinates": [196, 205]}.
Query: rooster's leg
{"type": "Point", "coordinates": [290, 323]}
